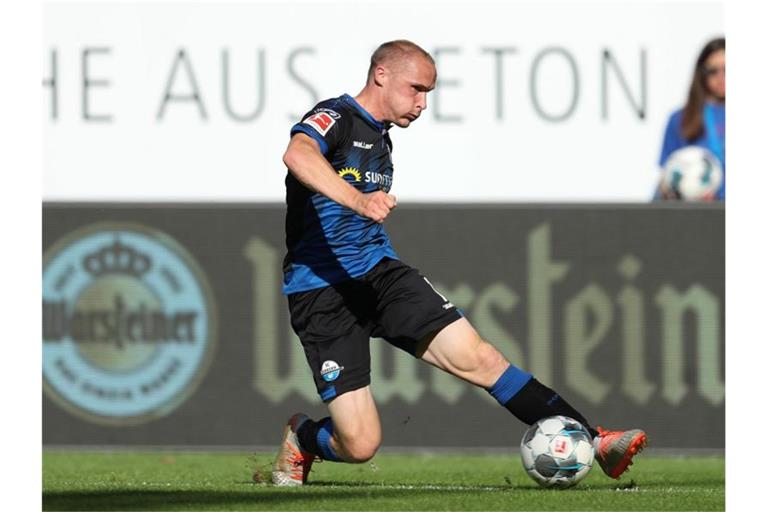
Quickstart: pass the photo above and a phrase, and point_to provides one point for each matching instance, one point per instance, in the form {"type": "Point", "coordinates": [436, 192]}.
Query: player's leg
{"type": "Point", "coordinates": [416, 318]}
{"type": "Point", "coordinates": [352, 433]}
{"type": "Point", "coordinates": [334, 330]}
{"type": "Point", "coordinates": [459, 350]}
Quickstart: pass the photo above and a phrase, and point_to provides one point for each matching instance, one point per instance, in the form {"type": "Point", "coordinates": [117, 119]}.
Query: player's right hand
{"type": "Point", "coordinates": [376, 205]}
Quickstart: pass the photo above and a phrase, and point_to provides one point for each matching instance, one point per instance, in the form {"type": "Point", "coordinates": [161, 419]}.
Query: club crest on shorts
{"type": "Point", "coordinates": [330, 371]}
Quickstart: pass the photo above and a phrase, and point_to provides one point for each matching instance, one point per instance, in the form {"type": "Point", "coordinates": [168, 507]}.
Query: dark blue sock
{"type": "Point", "coordinates": [530, 400]}
{"type": "Point", "coordinates": [509, 384]}
{"type": "Point", "coordinates": [307, 434]}
{"type": "Point", "coordinates": [324, 434]}
{"type": "Point", "coordinates": [315, 438]}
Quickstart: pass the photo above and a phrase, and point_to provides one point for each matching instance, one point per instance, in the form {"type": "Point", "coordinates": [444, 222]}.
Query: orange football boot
{"type": "Point", "coordinates": [292, 464]}
{"type": "Point", "coordinates": [614, 449]}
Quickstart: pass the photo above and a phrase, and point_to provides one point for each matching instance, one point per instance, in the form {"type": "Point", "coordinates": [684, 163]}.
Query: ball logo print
{"type": "Point", "coordinates": [330, 371]}
{"type": "Point", "coordinates": [128, 323]}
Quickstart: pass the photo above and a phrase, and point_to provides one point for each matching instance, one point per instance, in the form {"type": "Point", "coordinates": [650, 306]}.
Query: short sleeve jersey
{"type": "Point", "coordinates": [328, 243]}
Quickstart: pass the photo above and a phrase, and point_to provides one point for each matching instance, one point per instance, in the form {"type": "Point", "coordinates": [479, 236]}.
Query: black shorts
{"type": "Point", "coordinates": [392, 301]}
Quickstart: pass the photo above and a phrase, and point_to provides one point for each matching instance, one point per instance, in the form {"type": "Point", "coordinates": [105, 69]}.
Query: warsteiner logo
{"type": "Point", "coordinates": [128, 323]}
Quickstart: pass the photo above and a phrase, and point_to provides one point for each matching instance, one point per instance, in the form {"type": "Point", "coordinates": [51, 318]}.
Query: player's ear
{"type": "Point", "coordinates": [380, 75]}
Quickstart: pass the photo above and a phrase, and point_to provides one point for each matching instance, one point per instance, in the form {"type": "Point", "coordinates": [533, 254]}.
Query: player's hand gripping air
{"type": "Point", "coordinates": [376, 205]}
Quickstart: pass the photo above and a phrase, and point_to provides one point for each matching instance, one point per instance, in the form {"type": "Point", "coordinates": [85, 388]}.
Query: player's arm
{"type": "Point", "coordinates": [307, 163]}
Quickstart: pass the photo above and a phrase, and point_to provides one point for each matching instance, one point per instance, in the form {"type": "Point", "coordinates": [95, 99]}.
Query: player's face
{"type": "Point", "coordinates": [407, 88]}
{"type": "Point", "coordinates": [714, 74]}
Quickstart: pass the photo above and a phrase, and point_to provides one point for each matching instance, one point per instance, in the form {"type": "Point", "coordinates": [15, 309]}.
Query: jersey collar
{"type": "Point", "coordinates": [366, 115]}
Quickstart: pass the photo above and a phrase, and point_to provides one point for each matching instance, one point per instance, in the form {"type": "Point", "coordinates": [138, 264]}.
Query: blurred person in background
{"type": "Point", "coordinates": [701, 122]}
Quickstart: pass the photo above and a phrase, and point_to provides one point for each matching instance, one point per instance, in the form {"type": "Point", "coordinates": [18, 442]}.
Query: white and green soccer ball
{"type": "Point", "coordinates": [692, 172]}
{"type": "Point", "coordinates": [557, 452]}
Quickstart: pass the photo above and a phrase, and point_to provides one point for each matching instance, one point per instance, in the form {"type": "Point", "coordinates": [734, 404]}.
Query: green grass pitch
{"type": "Point", "coordinates": [228, 481]}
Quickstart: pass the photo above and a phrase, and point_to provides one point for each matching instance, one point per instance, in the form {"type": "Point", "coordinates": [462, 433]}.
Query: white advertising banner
{"type": "Point", "coordinates": [536, 101]}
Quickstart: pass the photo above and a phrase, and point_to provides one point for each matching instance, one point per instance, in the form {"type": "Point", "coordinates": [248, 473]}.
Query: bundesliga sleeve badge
{"type": "Point", "coordinates": [321, 122]}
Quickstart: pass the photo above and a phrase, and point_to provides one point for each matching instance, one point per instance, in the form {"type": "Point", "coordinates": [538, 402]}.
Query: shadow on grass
{"type": "Point", "coordinates": [269, 497]}
{"type": "Point", "coordinates": [262, 496]}
{"type": "Point", "coordinates": [186, 500]}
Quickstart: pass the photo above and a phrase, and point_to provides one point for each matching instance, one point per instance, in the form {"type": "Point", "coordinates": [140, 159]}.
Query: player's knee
{"type": "Point", "coordinates": [490, 358]}
{"type": "Point", "coordinates": [487, 357]}
{"type": "Point", "coordinates": [361, 451]}
{"type": "Point", "coordinates": [361, 448]}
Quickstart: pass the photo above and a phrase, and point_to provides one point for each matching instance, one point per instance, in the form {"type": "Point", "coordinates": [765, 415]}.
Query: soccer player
{"type": "Point", "coordinates": [345, 283]}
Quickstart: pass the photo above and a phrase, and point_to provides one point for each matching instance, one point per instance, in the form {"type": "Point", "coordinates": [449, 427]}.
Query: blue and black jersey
{"type": "Point", "coordinates": [329, 243]}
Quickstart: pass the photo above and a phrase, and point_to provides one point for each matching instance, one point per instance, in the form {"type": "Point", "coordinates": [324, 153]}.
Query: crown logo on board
{"type": "Point", "coordinates": [117, 258]}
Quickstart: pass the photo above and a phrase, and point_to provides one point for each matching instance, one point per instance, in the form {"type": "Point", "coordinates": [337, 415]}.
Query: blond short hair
{"type": "Point", "coordinates": [394, 51]}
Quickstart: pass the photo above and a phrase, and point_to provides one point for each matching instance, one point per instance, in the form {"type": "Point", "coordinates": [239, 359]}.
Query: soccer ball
{"type": "Point", "coordinates": [692, 172]}
{"type": "Point", "coordinates": [557, 452]}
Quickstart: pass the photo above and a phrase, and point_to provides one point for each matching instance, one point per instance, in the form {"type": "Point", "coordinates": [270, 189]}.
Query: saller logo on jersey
{"type": "Point", "coordinates": [322, 122]}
